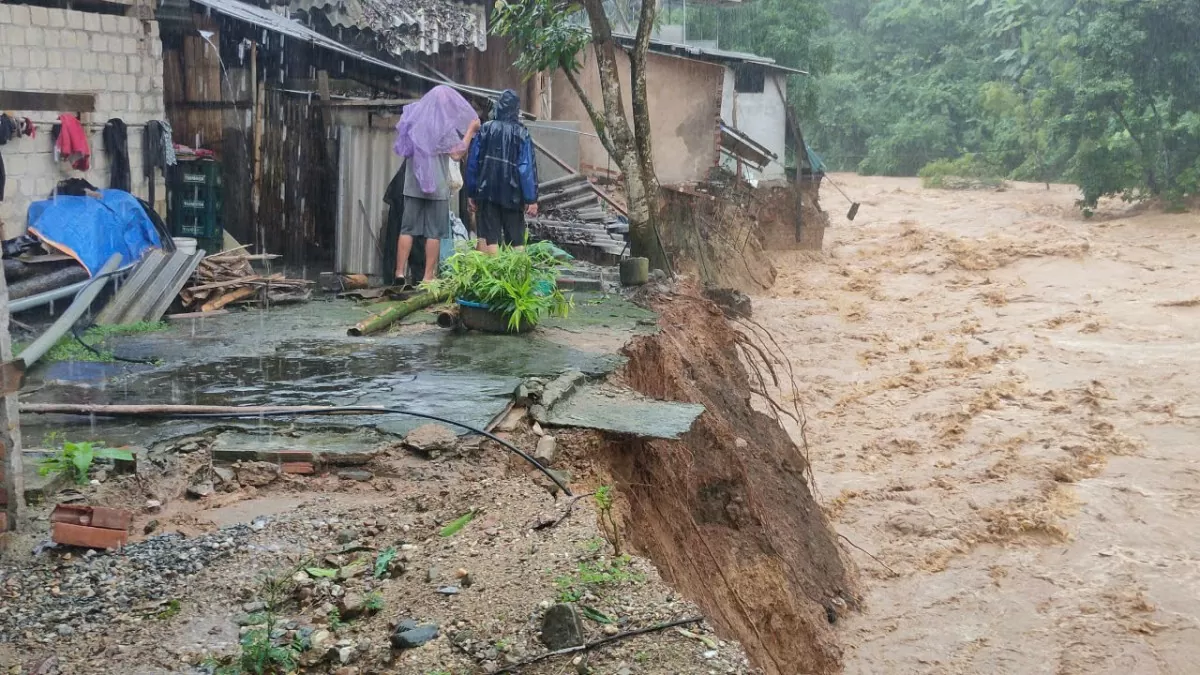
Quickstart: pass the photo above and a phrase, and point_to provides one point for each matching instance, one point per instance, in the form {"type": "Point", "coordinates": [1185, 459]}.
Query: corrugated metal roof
{"type": "Point", "coordinates": [278, 23]}
{"type": "Point", "coordinates": [401, 26]}
{"type": "Point", "coordinates": [711, 53]}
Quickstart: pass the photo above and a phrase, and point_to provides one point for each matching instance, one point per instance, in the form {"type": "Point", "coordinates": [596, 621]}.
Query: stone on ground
{"type": "Point", "coordinates": [562, 627]}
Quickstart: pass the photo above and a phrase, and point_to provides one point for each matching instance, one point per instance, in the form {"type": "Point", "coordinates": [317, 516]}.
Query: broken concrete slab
{"type": "Point", "coordinates": [620, 410]}
{"type": "Point", "coordinates": [431, 440]}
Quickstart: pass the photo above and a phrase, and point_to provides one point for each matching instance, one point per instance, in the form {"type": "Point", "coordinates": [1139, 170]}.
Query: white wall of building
{"type": "Point", "coordinates": [762, 116]}
{"type": "Point", "coordinates": [118, 59]}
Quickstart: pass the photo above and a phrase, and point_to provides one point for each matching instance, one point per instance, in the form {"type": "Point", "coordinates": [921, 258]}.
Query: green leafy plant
{"type": "Point", "coordinates": [592, 577]}
{"type": "Point", "coordinates": [335, 619]}
{"type": "Point", "coordinates": [383, 561]}
{"type": "Point", "coordinates": [521, 284]}
{"type": "Point", "coordinates": [374, 602]}
{"type": "Point", "coordinates": [77, 458]}
{"type": "Point", "coordinates": [321, 572]}
{"type": "Point", "coordinates": [608, 522]}
{"type": "Point", "coordinates": [457, 524]}
{"type": "Point", "coordinates": [260, 653]}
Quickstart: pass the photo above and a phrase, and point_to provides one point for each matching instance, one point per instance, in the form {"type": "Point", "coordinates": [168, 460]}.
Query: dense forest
{"type": "Point", "coordinates": [1101, 93]}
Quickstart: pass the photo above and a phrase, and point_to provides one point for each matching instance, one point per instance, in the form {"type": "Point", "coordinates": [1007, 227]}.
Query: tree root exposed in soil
{"type": "Point", "coordinates": [599, 643]}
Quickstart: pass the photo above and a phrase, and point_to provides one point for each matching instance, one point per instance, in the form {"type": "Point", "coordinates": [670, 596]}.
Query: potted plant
{"type": "Point", "coordinates": [508, 292]}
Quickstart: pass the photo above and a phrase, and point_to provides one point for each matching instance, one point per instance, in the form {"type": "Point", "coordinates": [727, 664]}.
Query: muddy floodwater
{"type": "Point", "coordinates": [1003, 410]}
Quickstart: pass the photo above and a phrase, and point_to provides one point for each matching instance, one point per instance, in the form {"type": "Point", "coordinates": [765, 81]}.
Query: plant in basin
{"type": "Point", "coordinates": [519, 284]}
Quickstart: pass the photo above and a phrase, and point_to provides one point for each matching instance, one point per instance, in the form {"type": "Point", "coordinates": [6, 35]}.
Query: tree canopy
{"type": "Point", "coordinates": [1101, 93]}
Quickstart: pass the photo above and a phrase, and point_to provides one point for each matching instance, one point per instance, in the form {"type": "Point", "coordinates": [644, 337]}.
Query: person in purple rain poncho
{"type": "Point", "coordinates": [432, 132]}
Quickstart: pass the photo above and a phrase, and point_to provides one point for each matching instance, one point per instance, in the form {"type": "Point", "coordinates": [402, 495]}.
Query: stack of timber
{"type": "Point", "coordinates": [228, 277]}
{"type": "Point", "coordinates": [570, 213]}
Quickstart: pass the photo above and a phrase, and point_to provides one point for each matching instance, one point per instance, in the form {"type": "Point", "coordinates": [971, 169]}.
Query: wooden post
{"type": "Point", "coordinates": [12, 489]}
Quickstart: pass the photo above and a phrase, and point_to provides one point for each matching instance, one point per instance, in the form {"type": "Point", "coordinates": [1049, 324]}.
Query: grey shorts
{"type": "Point", "coordinates": [498, 225]}
{"type": "Point", "coordinates": [429, 218]}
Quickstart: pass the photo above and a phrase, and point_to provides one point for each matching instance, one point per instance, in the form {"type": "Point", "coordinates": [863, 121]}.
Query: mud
{"type": "Point", "coordinates": [725, 512]}
{"type": "Point", "coordinates": [1003, 413]}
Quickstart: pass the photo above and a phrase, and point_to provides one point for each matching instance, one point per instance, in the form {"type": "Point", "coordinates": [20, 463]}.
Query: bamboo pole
{"type": "Point", "coordinates": [173, 409]}
{"type": "Point", "coordinates": [392, 314]}
{"type": "Point", "coordinates": [231, 296]}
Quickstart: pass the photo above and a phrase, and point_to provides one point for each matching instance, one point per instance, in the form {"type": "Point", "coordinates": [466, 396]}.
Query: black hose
{"type": "Point", "coordinates": [367, 409]}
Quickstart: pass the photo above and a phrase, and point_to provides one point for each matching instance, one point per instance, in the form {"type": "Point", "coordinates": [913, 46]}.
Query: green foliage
{"type": "Point", "coordinates": [608, 523]}
{"type": "Point", "coordinates": [520, 283]}
{"type": "Point", "coordinates": [335, 619]}
{"type": "Point", "coordinates": [69, 349]}
{"type": "Point", "coordinates": [373, 602]}
{"type": "Point", "coordinates": [260, 653]}
{"type": "Point", "coordinates": [383, 560]}
{"type": "Point", "coordinates": [457, 524]}
{"type": "Point", "coordinates": [596, 615]}
{"type": "Point", "coordinates": [967, 171]}
{"type": "Point", "coordinates": [321, 572]}
{"type": "Point", "coordinates": [1102, 93]}
{"type": "Point", "coordinates": [593, 576]}
{"type": "Point", "coordinates": [542, 34]}
{"type": "Point", "coordinates": [77, 458]}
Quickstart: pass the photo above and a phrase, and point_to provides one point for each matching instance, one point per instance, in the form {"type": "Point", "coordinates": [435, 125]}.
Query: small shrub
{"type": "Point", "coordinates": [608, 523]}
{"type": "Point", "coordinates": [77, 458]}
{"type": "Point", "coordinates": [591, 577]}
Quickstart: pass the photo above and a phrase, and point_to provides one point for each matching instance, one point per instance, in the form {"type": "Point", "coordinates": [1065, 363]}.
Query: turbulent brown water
{"type": "Point", "coordinates": [1003, 410]}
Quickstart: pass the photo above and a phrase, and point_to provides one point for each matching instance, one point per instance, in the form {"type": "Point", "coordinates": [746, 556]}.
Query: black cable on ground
{"type": "Point", "coordinates": [340, 410]}
{"type": "Point", "coordinates": [98, 353]}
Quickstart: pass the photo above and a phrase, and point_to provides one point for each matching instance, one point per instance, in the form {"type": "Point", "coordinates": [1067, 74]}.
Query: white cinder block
{"type": "Point", "coordinates": [108, 23]}
{"type": "Point", "coordinates": [104, 63]}
{"type": "Point", "coordinates": [129, 82]}
{"type": "Point", "coordinates": [98, 43]}
{"type": "Point", "coordinates": [115, 83]}
{"type": "Point", "coordinates": [66, 39]}
{"type": "Point", "coordinates": [5, 14]}
{"type": "Point", "coordinates": [72, 60]}
{"type": "Point", "coordinates": [39, 16]}
{"type": "Point", "coordinates": [74, 19]}
{"type": "Point", "coordinates": [54, 59]}
{"type": "Point", "coordinates": [54, 38]}
{"type": "Point", "coordinates": [35, 37]}
{"type": "Point", "coordinates": [120, 65]}
{"type": "Point", "coordinates": [91, 22]}
{"type": "Point", "coordinates": [98, 81]}
{"type": "Point", "coordinates": [130, 45]}
{"type": "Point", "coordinates": [20, 58]}
{"type": "Point", "coordinates": [58, 18]}
{"type": "Point", "coordinates": [13, 36]}
{"type": "Point", "coordinates": [135, 65]}
{"type": "Point", "coordinates": [5, 58]}
{"type": "Point", "coordinates": [20, 15]}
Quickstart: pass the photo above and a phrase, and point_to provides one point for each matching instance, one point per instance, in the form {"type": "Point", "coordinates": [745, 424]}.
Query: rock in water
{"type": "Point", "coordinates": [413, 637]}
{"type": "Point", "coordinates": [562, 627]}
{"type": "Point", "coordinates": [431, 440]}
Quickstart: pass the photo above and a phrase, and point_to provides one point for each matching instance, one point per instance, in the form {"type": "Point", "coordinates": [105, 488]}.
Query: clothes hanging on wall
{"type": "Point", "coordinates": [158, 150]}
{"type": "Point", "coordinates": [116, 146]}
{"type": "Point", "coordinates": [72, 143]}
{"type": "Point", "coordinates": [8, 129]}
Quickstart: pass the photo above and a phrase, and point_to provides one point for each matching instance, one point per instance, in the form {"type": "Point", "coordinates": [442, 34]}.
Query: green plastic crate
{"type": "Point", "coordinates": [194, 191]}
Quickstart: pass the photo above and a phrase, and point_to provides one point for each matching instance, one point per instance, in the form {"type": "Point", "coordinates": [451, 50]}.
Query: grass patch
{"type": "Point", "coordinates": [69, 349]}
{"type": "Point", "coordinates": [592, 577]}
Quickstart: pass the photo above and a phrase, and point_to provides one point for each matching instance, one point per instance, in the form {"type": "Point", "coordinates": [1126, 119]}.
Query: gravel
{"type": "Point", "coordinates": [63, 595]}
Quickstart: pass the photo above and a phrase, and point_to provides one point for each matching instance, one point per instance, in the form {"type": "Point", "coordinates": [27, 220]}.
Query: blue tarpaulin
{"type": "Point", "coordinates": [90, 230]}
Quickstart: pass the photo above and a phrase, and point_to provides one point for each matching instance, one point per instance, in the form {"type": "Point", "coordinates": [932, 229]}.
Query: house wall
{"type": "Point", "coordinates": [685, 102]}
{"type": "Point", "coordinates": [118, 59]}
{"type": "Point", "coordinates": [761, 116]}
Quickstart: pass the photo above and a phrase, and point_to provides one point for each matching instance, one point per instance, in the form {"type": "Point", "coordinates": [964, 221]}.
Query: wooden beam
{"type": "Point", "coordinates": [39, 101]}
{"type": "Point", "coordinates": [12, 488]}
{"type": "Point", "coordinates": [567, 167]}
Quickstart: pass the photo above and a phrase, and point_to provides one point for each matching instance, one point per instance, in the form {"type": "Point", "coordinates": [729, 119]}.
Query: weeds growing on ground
{"type": "Point", "coordinates": [260, 653]}
{"type": "Point", "coordinates": [77, 458]}
{"type": "Point", "coordinates": [70, 349]}
{"type": "Point", "coordinates": [593, 576]}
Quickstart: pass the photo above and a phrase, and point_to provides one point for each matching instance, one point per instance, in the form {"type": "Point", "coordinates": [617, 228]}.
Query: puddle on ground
{"type": "Point", "coordinates": [468, 378]}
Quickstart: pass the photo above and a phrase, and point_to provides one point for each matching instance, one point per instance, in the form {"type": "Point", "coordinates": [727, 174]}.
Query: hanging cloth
{"type": "Point", "coordinates": [116, 147]}
{"type": "Point", "coordinates": [157, 150]}
{"type": "Point", "coordinates": [8, 129]}
{"type": "Point", "coordinates": [72, 143]}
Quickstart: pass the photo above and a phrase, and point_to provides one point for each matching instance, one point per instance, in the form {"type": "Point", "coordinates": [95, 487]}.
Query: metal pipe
{"type": "Point", "coordinates": [82, 301]}
{"type": "Point", "coordinates": [47, 297]}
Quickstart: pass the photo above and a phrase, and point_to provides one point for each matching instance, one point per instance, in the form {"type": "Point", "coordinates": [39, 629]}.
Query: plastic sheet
{"type": "Point", "coordinates": [433, 126]}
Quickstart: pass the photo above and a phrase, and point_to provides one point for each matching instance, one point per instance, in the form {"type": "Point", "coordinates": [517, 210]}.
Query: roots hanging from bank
{"type": "Point", "coordinates": [726, 512]}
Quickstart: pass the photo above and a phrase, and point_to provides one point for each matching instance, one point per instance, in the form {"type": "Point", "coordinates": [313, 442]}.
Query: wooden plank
{"type": "Point", "coordinates": [40, 101]}
{"type": "Point", "coordinates": [567, 167]}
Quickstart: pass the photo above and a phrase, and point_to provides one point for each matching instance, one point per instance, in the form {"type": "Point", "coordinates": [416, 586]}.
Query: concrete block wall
{"type": "Point", "coordinates": [118, 59]}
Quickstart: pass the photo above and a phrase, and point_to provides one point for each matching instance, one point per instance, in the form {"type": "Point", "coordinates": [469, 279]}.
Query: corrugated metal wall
{"type": "Point", "coordinates": [367, 165]}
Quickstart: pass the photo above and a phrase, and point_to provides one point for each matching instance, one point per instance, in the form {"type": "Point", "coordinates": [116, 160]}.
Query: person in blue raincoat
{"type": "Point", "coordinates": [501, 179]}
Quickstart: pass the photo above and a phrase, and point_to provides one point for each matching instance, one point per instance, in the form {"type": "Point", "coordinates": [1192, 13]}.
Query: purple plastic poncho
{"type": "Point", "coordinates": [430, 127]}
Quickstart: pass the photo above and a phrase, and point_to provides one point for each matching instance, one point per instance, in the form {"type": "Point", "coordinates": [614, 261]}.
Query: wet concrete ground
{"type": "Point", "coordinates": [300, 355]}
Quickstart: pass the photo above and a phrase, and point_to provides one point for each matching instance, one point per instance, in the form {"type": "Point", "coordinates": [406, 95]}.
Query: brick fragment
{"type": "Point", "coordinates": [87, 537]}
{"type": "Point", "coordinates": [297, 468]}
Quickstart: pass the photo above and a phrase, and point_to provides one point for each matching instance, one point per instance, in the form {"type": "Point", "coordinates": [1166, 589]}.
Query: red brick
{"type": "Point", "coordinates": [290, 456]}
{"type": "Point", "coordinates": [88, 537]}
{"type": "Point", "coordinates": [299, 468]}
{"type": "Point", "coordinates": [111, 519]}
{"type": "Point", "coordinates": [3, 521]}
{"type": "Point", "coordinates": [72, 514]}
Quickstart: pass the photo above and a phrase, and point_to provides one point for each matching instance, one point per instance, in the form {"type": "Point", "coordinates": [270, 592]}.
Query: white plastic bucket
{"type": "Point", "coordinates": [186, 245]}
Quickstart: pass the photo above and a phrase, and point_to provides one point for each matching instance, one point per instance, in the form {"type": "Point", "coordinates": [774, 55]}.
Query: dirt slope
{"type": "Point", "coordinates": [1004, 411]}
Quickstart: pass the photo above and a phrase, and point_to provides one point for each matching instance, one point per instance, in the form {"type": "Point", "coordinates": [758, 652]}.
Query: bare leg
{"type": "Point", "coordinates": [403, 248]}
{"type": "Point", "coordinates": [433, 252]}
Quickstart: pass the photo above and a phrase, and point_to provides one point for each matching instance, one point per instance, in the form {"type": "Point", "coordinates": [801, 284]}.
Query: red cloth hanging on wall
{"type": "Point", "coordinates": [72, 142]}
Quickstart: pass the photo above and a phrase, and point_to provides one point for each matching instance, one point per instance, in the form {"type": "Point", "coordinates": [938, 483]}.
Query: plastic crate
{"type": "Point", "coordinates": [195, 199]}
